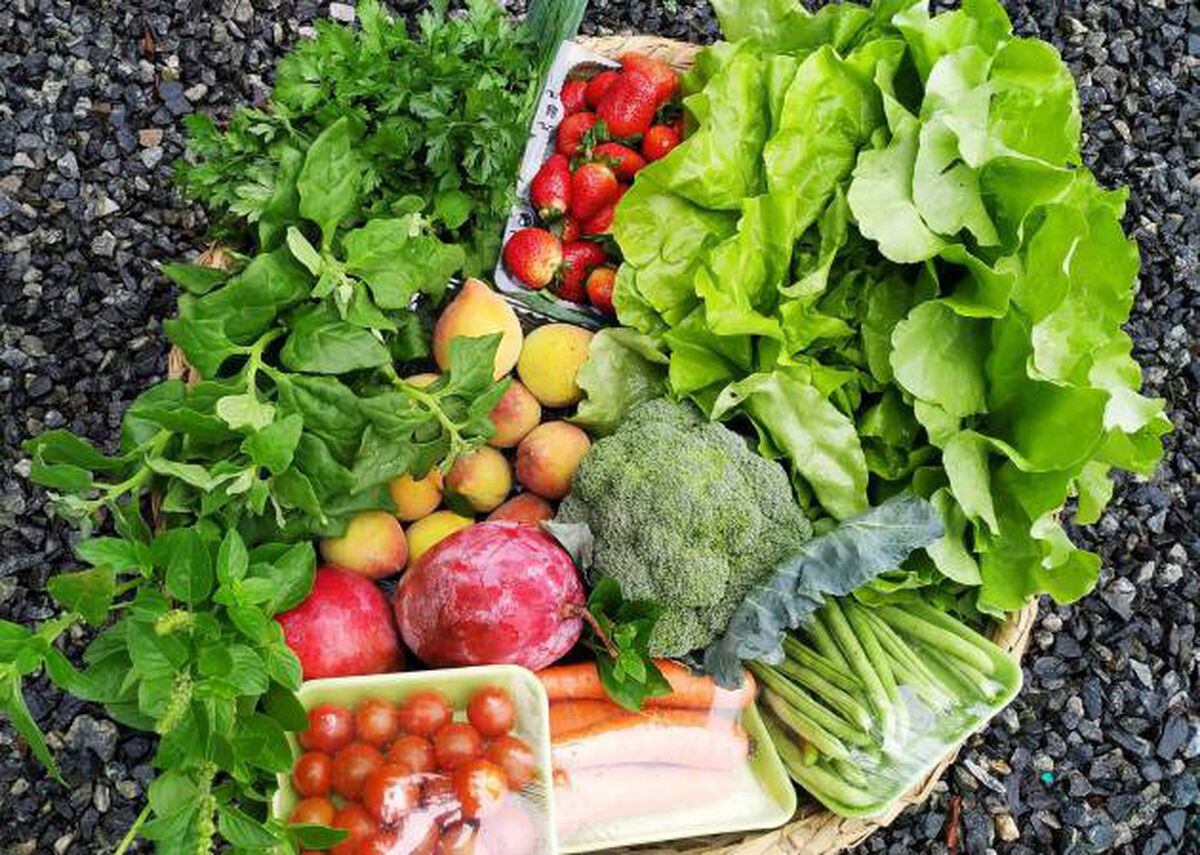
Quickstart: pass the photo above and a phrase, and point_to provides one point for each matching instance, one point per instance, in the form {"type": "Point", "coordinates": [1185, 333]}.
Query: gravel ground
{"type": "Point", "coordinates": [1100, 753]}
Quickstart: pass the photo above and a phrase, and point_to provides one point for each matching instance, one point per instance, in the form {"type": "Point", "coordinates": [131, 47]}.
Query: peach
{"type": "Point", "coordinates": [416, 497]}
{"type": "Point", "coordinates": [550, 361]}
{"type": "Point", "coordinates": [548, 457]}
{"type": "Point", "coordinates": [482, 477]}
{"type": "Point", "coordinates": [524, 507]}
{"type": "Point", "coordinates": [479, 311]}
{"type": "Point", "coordinates": [515, 414]}
{"type": "Point", "coordinates": [427, 531]}
{"type": "Point", "coordinates": [373, 545]}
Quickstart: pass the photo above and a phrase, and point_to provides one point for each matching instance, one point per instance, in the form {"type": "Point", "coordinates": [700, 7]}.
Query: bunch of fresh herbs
{"type": "Point", "coordinates": [438, 120]}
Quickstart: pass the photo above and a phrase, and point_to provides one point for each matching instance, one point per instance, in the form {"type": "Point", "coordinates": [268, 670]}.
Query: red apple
{"type": "Point", "coordinates": [344, 628]}
{"type": "Point", "coordinates": [497, 592]}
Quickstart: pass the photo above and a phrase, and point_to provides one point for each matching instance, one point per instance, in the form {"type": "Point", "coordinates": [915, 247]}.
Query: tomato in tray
{"type": "Point", "coordinates": [418, 776]}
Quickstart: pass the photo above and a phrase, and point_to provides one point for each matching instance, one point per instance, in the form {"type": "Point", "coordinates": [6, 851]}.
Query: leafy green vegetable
{"type": "Point", "coordinates": [684, 514]}
{"type": "Point", "coordinates": [624, 368]}
{"type": "Point", "coordinates": [833, 564]}
{"type": "Point", "coordinates": [444, 138]}
{"type": "Point", "coordinates": [879, 248]}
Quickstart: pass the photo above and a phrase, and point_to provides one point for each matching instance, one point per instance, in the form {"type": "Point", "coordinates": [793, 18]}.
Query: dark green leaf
{"type": "Point", "coordinates": [241, 829]}
{"type": "Point", "coordinates": [322, 343]}
{"type": "Point", "coordinates": [194, 278]}
{"type": "Point", "coordinates": [273, 446]}
{"type": "Point", "coordinates": [330, 180]}
{"type": "Point", "coordinates": [89, 592]}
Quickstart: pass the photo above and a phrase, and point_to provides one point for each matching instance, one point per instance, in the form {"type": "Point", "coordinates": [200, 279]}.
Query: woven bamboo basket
{"type": "Point", "coordinates": [813, 830]}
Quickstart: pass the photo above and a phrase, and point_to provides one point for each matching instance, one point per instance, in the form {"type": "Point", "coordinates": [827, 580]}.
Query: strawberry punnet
{"type": "Point", "coordinates": [598, 85]}
{"type": "Point", "coordinates": [593, 186]}
{"type": "Point", "coordinates": [571, 133]}
{"type": "Point", "coordinates": [625, 162]}
{"type": "Point", "coordinates": [628, 108]}
{"type": "Point", "coordinates": [550, 190]}
{"type": "Point", "coordinates": [572, 96]}
{"type": "Point", "coordinates": [666, 81]}
{"type": "Point", "coordinates": [534, 256]}
{"type": "Point", "coordinates": [659, 141]}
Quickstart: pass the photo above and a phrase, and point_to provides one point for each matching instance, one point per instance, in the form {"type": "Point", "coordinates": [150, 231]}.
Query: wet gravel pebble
{"type": "Point", "coordinates": [1101, 752]}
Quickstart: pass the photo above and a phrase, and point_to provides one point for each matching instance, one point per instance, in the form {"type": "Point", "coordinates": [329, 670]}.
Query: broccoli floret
{"type": "Point", "coordinates": [684, 513]}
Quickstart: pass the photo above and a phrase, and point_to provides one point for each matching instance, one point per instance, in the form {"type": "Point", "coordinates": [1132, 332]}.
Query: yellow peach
{"type": "Point", "coordinates": [483, 478]}
{"type": "Point", "coordinates": [550, 361]}
{"type": "Point", "coordinates": [479, 311]}
{"type": "Point", "coordinates": [548, 457]}
{"type": "Point", "coordinates": [524, 507]}
{"type": "Point", "coordinates": [515, 414]}
{"type": "Point", "coordinates": [416, 497]}
{"type": "Point", "coordinates": [373, 545]}
{"type": "Point", "coordinates": [428, 531]}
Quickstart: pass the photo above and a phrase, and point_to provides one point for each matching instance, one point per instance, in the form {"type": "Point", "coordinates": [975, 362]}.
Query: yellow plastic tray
{"type": "Point", "coordinates": [457, 684]}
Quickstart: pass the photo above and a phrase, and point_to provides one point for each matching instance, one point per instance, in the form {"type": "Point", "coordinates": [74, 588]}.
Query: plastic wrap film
{"type": "Point", "coordinates": [693, 762]}
{"type": "Point", "coordinates": [867, 700]}
{"type": "Point", "coordinates": [441, 782]}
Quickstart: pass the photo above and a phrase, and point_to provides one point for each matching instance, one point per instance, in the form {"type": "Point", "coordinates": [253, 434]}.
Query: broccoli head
{"type": "Point", "coordinates": [684, 513]}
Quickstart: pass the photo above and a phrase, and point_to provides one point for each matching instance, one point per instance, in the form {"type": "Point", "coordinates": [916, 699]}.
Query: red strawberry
{"type": "Point", "coordinates": [566, 229]}
{"type": "Point", "coordinates": [677, 126]}
{"type": "Point", "coordinates": [579, 259]}
{"type": "Point", "coordinates": [599, 288]}
{"type": "Point", "coordinates": [571, 133]}
{"type": "Point", "coordinates": [628, 107]}
{"type": "Point", "coordinates": [625, 162]}
{"type": "Point", "coordinates": [659, 141]}
{"type": "Point", "coordinates": [593, 186]}
{"type": "Point", "coordinates": [598, 85]}
{"type": "Point", "coordinates": [550, 190]}
{"type": "Point", "coordinates": [600, 223]}
{"type": "Point", "coordinates": [666, 81]}
{"type": "Point", "coordinates": [572, 96]}
{"type": "Point", "coordinates": [533, 256]}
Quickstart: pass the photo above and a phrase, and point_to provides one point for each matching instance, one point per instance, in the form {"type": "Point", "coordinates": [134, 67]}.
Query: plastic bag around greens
{"type": "Point", "coordinates": [696, 761]}
{"type": "Point", "coordinates": [452, 761]}
{"type": "Point", "coordinates": [867, 700]}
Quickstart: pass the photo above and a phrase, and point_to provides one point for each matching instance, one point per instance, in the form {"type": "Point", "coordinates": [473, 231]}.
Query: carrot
{"type": "Point", "coordinates": [581, 682]}
{"type": "Point", "coordinates": [655, 736]}
{"type": "Point", "coordinates": [566, 716]}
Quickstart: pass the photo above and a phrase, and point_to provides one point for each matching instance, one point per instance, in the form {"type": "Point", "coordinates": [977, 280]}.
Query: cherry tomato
{"type": "Point", "coordinates": [515, 757]}
{"type": "Point", "coordinates": [377, 721]}
{"type": "Point", "coordinates": [492, 712]}
{"type": "Point", "coordinates": [352, 765]}
{"type": "Point", "coordinates": [458, 839]}
{"type": "Point", "coordinates": [316, 809]}
{"type": "Point", "coordinates": [425, 712]}
{"type": "Point", "coordinates": [355, 819]}
{"type": "Point", "coordinates": [390, 792]}
{"type": "Point", "coordinates": [456, 743]}
{"type": "Point", "coordinates": [481, 786]}
{"type": "Point", "coordinates": [312, 774]}
{"type": "Point", "coordinates": [414, 752]}
{"type": "Point", "coordinates": [330, 727]}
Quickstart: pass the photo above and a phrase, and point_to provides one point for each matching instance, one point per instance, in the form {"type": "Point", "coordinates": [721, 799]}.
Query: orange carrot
{"type": "Point", "coordinates": [566, 716]}
{"type": "Point", "coordinates": [581, 682]}
{"type": "Point", "coordinates": [655, 736]}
